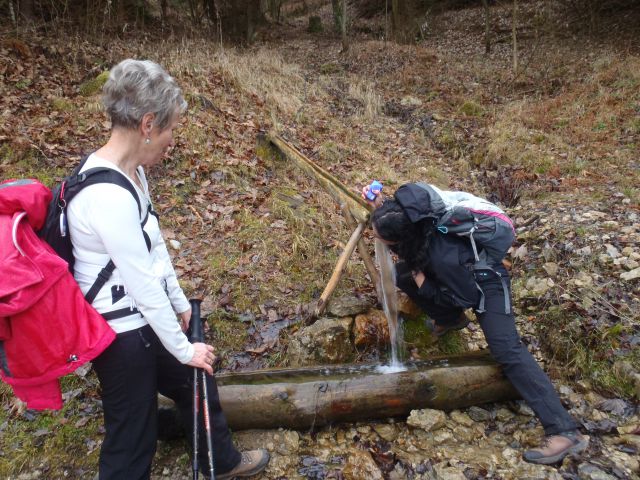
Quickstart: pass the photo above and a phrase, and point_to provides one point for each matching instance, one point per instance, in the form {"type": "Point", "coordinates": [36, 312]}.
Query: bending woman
{"type": "Point", "coordinates": [441, 274]}
{"type": "Point", "coordinates": [140, 300]}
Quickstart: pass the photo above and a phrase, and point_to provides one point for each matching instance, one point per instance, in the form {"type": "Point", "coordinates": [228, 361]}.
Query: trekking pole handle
{"type": "Point", "coordinates": [195, 324]}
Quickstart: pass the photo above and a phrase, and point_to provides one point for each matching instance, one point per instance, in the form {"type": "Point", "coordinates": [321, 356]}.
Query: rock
{"type": "Point", "coordinates": [539, 286]}
{"type": "Point", "coordinates": [407, 307]}
{"type": "Point", "coordinates": [360, 465]}
{"type": "Point", "coordinates": [348, 306]}
{"type": "Point", "coordinates": [291, 440]}
{"type": "Point", "coordinates": [466, 435]}
{"type": "Point", "coordinates": [445, 472]}
{"type": "Point", "coordinates": [398, 473]}
{"type": "Point", "coordinates": [523, 409]}
{"type": "Point", "coordinates": [630, 275]}
{"type": "Point", "coordinates": [588, 471]}
{"type": "Point", "coordinates": [175, 244]}
{"type": "Point", "coordinates": [371, 329]}
{"type": "Point", "coordinates": [551, 268]}
{"type": "Point", "coordinates": [441, 436]}
{"type": "Point", "coordinates": [583, 279]}
{"type": "Point", "coordinates": [461, 418]}
{"type": "Point", "coordinates": [631, 440]}
{"type": "Point", "coordinates": [630, 264]}
{"type": "Point", "coordinates": [631, 426]}
{"type": "Point", "coordinates": [427, 419]}
{"type": "Point", "coordinates": [594, 214]}
{"type": "Point", "coordinates": [479, 414]}
{"type": "Point", "coordinates": [388, 432]}
{"type": "Point", "coordinates": [612, 251]}
{"type": "Point", "coordinates": [328, 340]}
{"type": "Point", "coordinates": [585, 252]}
{"type": "Point", "coordinates": [530, 437]}
{"type": "Point", "coordinates": [616, 406]}
{"type": "Point", "coordinates": [629, 464]}
{"type": "Point", "coordinates": [504, 415]}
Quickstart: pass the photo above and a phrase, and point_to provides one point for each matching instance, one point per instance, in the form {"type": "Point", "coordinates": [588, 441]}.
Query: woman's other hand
{"type": "Point", "coordinates": [185, 318]}
{"type": "Point", "coordinates": [203, 357]}
{"type": "Point", "coordinates": [377, 202]}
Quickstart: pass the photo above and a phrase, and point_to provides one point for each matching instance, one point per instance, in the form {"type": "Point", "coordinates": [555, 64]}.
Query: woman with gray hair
{"type": "Point", "coordinates": [142, 296]}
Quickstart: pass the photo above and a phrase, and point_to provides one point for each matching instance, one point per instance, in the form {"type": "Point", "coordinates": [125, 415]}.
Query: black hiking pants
{"type": "Point", "coordinates": [505, 345]}
{"type": "Point", "coordinates": [132, 370]}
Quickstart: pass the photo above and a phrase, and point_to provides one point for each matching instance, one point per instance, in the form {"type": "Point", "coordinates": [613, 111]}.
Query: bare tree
{"type": "Point", "coordinates": [343, 28]}
{"type": "Point", "coordinates": [487, 21]}
{"type": "Point", "coordinates": [514, 36]}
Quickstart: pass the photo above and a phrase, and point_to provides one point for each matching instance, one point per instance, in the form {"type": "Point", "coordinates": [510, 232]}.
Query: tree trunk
{"type": "Point", "coordinates": [309, 397]}
{"type": "Point", "coordinates": [343, 27]}
{"type": "Point", "coordinates": [395, 18]}
{"type": "Point", "coordinates": [515, 37]}
{"type": "Point", "coordinates": [487, 21]}
{"type": "Point", "coordinates": [336, 8]}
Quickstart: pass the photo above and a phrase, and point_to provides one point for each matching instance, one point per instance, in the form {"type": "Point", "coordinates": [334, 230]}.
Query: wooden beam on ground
{"type": "Point", "coordinates": [337, 271]}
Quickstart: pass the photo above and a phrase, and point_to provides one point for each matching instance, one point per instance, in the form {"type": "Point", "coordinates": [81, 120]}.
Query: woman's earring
{"type": "Point", "coordinates": [147, 141]}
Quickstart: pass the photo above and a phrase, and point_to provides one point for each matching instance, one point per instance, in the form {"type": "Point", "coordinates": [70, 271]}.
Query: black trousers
{"type": "Point", "coordinates": [504, 342]}
{"type": "Point", "coordinates": [132, 370]}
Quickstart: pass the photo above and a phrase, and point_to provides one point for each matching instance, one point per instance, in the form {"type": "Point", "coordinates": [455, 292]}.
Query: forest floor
{"type": "Point", "coordinates": [556, 144]}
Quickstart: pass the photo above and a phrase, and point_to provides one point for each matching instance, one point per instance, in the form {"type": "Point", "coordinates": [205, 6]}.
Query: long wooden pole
{"type": "Point", "coordinates": [348, 201]}
{"type": "Point", "coordinates": [364, 254]}
{"type": "Point", "coordinates": [358, 207]}
{"type": "Point", "coordinates": [337, 271]}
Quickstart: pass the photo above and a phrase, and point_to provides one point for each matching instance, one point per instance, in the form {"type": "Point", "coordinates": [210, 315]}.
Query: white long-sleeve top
{"type": "Point", "coordinates": [104, 223]}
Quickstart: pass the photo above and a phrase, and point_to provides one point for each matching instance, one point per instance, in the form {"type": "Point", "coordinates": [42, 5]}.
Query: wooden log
{"type": "Point", "coordinates": [364, 254]}
{"type": "Point", "coordinates": [308, 397]}
{"type": "Point", "coordinates": [358, 207]}
{"type": "Point", "coordinates": [337, 271]}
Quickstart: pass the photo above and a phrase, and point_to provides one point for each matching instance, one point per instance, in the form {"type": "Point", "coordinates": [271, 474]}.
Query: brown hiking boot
{"type": "Point", "coordinates": [251, 463]}
{"type": "Point", "coordinates": [439, 330]}
{"type": "Point", "coordinates": [556, 447]}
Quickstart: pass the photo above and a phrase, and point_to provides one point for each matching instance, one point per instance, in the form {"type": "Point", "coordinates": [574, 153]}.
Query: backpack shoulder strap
{"type": "Point", "coordinates": [74, 184]}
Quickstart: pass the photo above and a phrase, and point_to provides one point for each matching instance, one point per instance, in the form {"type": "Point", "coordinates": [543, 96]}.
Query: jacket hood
{"type": "Point", "coordinates": [25, 195]}
{"type": "Point", "coordinates": [420, 201]}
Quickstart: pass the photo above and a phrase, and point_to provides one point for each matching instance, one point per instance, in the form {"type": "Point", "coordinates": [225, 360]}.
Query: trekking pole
{"type": "Point", "coordinates": [198, 336]}
{"type": "Point", "coordinates": [196, 332]}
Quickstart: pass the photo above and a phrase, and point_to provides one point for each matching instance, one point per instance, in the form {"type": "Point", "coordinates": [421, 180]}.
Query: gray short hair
{"type": "Point", "coordinates": [137, 87]}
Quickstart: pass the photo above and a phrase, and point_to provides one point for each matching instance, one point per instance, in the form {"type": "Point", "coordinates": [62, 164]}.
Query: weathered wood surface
{"type": "Point", "coordinates": [304, 398]}
{"type": "Point", "coordinates": [340, 192]}
{"type": "Point", "coordinates": [338, 269]}
{"type": "Point", "coordinates": [364, 254]}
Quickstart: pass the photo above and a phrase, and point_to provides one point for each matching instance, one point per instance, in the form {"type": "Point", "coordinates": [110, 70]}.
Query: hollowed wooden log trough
{"type": "Point", "coordinates": [302, 398]}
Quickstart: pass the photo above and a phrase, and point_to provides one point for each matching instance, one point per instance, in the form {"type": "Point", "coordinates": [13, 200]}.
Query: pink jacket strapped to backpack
{"type": "Point", "coordinates": [47, 329]}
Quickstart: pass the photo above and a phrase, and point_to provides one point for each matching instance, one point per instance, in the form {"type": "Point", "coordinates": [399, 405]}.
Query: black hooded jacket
{"type": "Point", "coordinates": [450, 279]}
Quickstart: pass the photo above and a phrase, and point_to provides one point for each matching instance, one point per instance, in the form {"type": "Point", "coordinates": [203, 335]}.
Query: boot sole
{"type": "Point", "coordinates": [577, 448]}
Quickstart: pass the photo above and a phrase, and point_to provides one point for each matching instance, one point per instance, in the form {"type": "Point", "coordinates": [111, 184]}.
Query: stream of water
{"type": "Point", "coordinates": [390, 305]}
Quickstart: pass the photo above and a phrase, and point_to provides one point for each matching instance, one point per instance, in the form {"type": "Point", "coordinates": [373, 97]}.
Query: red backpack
{"type": "Point", "coordinates": [47, 327]}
